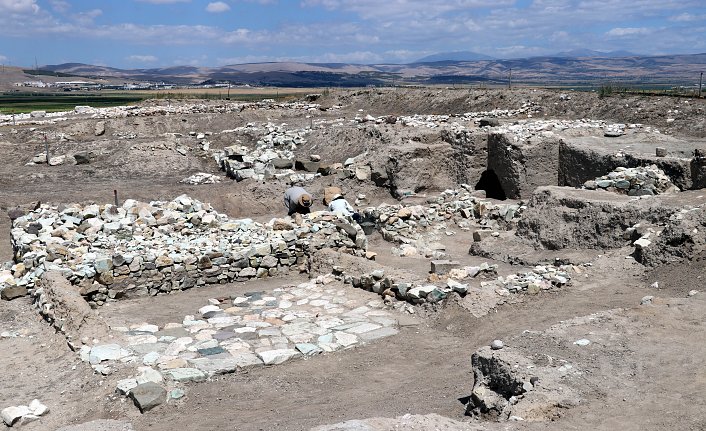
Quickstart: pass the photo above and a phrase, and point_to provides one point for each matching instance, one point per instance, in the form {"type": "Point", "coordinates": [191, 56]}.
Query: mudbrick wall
{"type": "Point", "coordinates": [558, 218]}
{"type": "Point", "coordinates": [578, 165]}
{"type": "Point", "coordinates": [522, 165]}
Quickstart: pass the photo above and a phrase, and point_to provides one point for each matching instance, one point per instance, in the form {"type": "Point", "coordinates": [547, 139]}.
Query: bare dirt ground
{"type": "Point", "coordinates": [646, 372]}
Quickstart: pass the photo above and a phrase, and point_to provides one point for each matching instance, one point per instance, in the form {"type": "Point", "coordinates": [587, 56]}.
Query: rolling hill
{"type": "Point", "coordinates": [571, 69]}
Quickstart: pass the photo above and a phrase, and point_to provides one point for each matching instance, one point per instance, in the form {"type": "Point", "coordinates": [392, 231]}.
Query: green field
{"type": "Point", "coordinates": [15, 103]}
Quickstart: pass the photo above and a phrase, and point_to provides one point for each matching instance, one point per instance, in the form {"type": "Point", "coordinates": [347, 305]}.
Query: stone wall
{"type": "Point", "coordinates": [147, 248]}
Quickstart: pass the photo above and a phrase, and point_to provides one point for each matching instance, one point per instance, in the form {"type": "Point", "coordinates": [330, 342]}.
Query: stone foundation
{"type": "Point", "coordinates": [111, 252]}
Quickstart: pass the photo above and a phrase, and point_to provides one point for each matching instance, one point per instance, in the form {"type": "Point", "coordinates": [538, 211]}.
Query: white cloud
{"type": "Point", "coordinates": [217, 7]}
{"type": "Point", "coordinates": [19, 6]}
{"type": "Point", "coordinates": [404, 9]}
{"type": "Point", "coordinates": [60, 6]}
{"type": "Point", "coordinates": [519, 51]}
{"type": "Point", "coordinates": [687, 17]}
{"type": "Point", "coordinates": [164, 1]}
{"type": "Point", "coordinates": [627, 31]}
{"type": "Point", "coordinates": [142, 58]}
{"type": "Point", "coordinates": [87, 17]}
{"type": "Point", "coordinates": [558, 36]}
{"type": "Point", "coordinates": [3, 59]}
{"type": "Point", "coordinates": [405, 55]}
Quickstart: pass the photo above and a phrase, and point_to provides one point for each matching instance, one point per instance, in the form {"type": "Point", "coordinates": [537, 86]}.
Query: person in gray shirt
{"type": "Point", "coordinates": [297, 200]}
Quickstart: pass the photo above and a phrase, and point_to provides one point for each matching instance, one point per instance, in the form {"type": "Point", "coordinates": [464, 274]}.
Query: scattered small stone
{"type": "Point", "coordinates": [497, 345]}
{"type": "Point", "coordinates": [582, 342]}
{"type": "Point", "coordinates": [177, 394]}
{"type": "Point", "coordinates": [10, 415]}
{"type": "Point", "coordinates": [23, 414]}
{"type": "Point", "coordinates": [646, 300]}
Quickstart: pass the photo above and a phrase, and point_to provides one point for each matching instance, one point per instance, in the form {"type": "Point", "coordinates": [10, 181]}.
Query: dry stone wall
{"type": "Point", "coordinates": [640, 181]}
{"type": "Point", "coordinates": [139, 248]}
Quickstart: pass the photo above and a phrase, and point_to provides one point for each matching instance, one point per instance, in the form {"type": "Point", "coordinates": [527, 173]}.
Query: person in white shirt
{"type": "Point", "coordinates": [339, 205]}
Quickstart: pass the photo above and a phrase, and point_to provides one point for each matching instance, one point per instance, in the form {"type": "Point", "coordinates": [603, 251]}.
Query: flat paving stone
{"type": "Point", "coordinates": [259, 329]}
{"type": "Point", "coordinates": [183, 375]}
{"type": "Point", "coordinates": [277, 356]}
{"type": "Point", "coordinates": [363, 327]}
{"type": "Point", "coordinates": [216, 366]}
{"type": "Point", "coordinates": [378, 333]}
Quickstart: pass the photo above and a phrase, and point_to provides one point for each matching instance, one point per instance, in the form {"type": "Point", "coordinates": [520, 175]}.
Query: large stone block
{"type": "Point", "coordinates": [442, 267]}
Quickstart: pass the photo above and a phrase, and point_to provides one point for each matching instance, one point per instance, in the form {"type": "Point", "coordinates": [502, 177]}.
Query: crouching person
{"type": "Point", "coordinates": [339, 205]}
{"type": "Point", "coordinates": [297, 201]}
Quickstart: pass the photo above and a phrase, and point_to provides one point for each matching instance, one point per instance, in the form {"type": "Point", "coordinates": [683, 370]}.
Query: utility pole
{"type": "Point", "coordinates": [701, 80]}
{"type": "Point", "coordinates": [509, 82]}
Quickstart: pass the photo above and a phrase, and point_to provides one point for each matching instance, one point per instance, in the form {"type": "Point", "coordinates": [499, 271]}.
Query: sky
{"type": "Point", "coordinates": [164, 33]}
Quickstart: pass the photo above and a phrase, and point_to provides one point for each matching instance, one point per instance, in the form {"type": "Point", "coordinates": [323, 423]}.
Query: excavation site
{"type": "Point", "coordinates": [521, 258]}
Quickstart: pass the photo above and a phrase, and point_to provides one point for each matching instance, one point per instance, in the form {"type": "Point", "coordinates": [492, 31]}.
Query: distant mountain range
{"type": "Point", "coordinates": [454, 56]}
{"type": "Point", "coordinates": [577, 53]}
{"type": "Point", "coordinates": [474, 56]}
{"type": "Point", "coordinates": [569, 68]}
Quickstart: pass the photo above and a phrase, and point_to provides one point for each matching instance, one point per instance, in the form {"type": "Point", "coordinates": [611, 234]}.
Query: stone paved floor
{"type": "Point", "coordinates": [255, 329]}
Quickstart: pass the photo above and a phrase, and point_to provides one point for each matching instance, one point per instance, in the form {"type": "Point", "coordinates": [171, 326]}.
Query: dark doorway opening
{"type": "Point", "coordinates": [491, 184]}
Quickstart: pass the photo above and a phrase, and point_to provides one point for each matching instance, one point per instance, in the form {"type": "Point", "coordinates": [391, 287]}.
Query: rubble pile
{"type": "Point", "coordinates": [201, 178]}
{"type": "Point", "coordinates": [523, 129]}
{"type": "Point", "coordinates": [640, 181]}
{"type": "Point", "coordinates": [142, 248]}
{"type": "Point", "coordinates": [402, 224]}
{"type": "Point", "coordinates": [273, 156]}
{"type": "Point", "coordinates": [434, 121]}
{"type": "Point", "coordinates": [539, 278]}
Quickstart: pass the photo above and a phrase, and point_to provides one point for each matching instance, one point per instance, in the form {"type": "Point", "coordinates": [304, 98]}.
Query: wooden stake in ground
{"type": "Point", "coordinates": [115, 195]}
{"type": "Point", "coordinates": [46, 147]}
